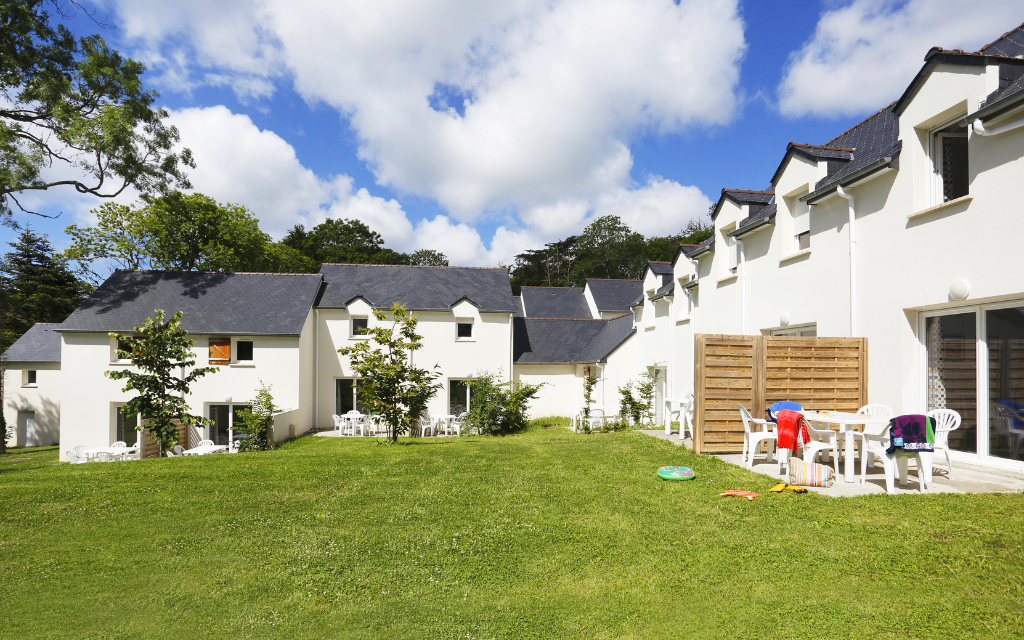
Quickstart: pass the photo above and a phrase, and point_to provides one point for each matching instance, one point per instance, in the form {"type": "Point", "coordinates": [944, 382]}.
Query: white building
{"type": "Point", "coordinates": [900, 230]}
{"type": "Point", "coordinates": [31, 400]}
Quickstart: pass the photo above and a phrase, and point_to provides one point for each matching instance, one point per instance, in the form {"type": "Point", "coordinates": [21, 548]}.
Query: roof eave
{"type": "Point", "coordinates": [755, 226]}
{"type": "Point", "coordinates": [935, 57]}
{"type": "Point", "coordinates": [994, 110]}
{"type": "Point", "coordinates": [872, 170]}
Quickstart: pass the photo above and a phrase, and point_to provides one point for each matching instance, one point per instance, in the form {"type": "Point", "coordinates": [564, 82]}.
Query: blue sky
{"type": "Point", "coordinates": [484, 130]}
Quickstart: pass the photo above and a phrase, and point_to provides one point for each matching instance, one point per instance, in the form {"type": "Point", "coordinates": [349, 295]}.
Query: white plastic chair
{"type": "Point", "coordinates": [80, 455]}
{"type": "Point", "coordinates": [338, 422]}
{"type": "Point", "coordinates": [178, 449]}
{"type": "Point", "coordinates": [829, 440]}
{"type": "Point", "coordinates": [103, 456]}
{"type": "Point", "coordinates": [170, 454]}
{"type": "Point", "coordinates": [459, 423]}
{"type": "Point", "coordinates": [73, 458]}
{"type": "Point", "coordinates": [574, 417]}
{"type": "Point", "coordinates": [877, 443]}
{"type": "Point", "coordinates": [596, 418]}
{"type": "Point", "coordinates": [426, 424]}
{"type": "Point", "coordinates": [946, 420]}
{"type": "Point", "coordinates": [202, 443]}
{"type": "Point", "coordinates": [880, 411]}
{"type": "Point", "coordinates": [120, 455]}
{"type": "Point", "coordinates": [354, 419]}
{"type": "Point", "coordinates": [753, 439]}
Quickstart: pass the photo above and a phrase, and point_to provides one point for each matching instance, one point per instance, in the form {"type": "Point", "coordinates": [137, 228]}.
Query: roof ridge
{"type": "Point", "coordinates": [724, 189]}
{"type": "Point", "coordinates": [579, 319]}
{"type": "Point", "coordinates": [1002, 37]}
{"type": "Point", "coordinates": [537, 286]}
{"type": "Point", "coordinates": [409, 266]}
{"type": "Point", "coordinates": [218, 273]}
{"type": "Point", "coordinates": [619, 279]}
{"type": "Point", "coordinates": [874, 115]}
{"type": "Point", "coordinates": [820, 146]}
{"type": "Point", "coordinates": [658, 262]}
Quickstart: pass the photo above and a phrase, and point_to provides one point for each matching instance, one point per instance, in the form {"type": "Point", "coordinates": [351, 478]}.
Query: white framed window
{"type": "Point", "coordinates": [346, 397]}
{"type": "Point", "coordinates": [29, 379]}
{"type": "Point", "coordinates": [124, 427]}
{"type": "Point", "coordinates": [244, 351]}
{"type": "Point", "coordinates": [117, 346]}
{"type": "Point", "coordinates": [799, 331]}
{"type": "Point", "coordinates": [950, 177]}
{"type": "Point", "coordinates": [359, 325]}
{"type": "Point", "coordinates": [464, 329]}
{"type": "Point", "coordinates": [460, 396]}
{"type": "Point", "coordinates": [801, 225]}
{"type": "Point", "coordinates": [970, 356]}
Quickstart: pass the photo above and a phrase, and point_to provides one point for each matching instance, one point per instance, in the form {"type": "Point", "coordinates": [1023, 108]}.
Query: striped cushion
{"type": "Point", "coordinates": [810, 474]}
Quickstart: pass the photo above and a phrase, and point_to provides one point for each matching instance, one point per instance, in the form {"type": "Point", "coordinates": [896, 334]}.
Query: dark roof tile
{"type": "Point", "coordinates": [215, 303]}
{"type": "Point", "coordinates": [567, 341]}
{"type": "Point", "coordinates": [614, 295]}
{"type": "Point", "coordinates": [39, 344]}
{"type": "Point", "coordinates": [555, 302]}
{"type": "Point", "coordinates": [419, 288]}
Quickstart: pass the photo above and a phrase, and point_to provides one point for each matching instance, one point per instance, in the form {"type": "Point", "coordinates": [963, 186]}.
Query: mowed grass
{"type": "Point", "coordinates": [546, 534]}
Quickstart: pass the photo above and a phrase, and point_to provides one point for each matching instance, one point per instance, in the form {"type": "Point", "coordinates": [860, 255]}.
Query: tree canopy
{"type": "Point", "coordinates": [607, 248]}
{"type": "Point", "coordinates": [181, 232]}
{"type": "Point", "coordinates": [75, 103]}
{"type": "Point", "coordinates": [351, 241]}
{"type": "Point", "coordinates": [35, 286]}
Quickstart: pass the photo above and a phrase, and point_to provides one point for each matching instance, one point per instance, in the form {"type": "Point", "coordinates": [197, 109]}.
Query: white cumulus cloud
{"type": "Point", "coordinates": [864, 54]}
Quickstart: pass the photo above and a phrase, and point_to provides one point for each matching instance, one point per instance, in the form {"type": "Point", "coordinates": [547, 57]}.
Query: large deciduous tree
{"type": "Point", "coordinates": [352, 242]}
{"type": "Point", "coordinates": [77, 105]}
{"type": "Point", "coordinates": [36, 285]}
{"type": "Point", "coordinates": [164, 370]}
{"type": "Point", "coordinates": [392, 386]}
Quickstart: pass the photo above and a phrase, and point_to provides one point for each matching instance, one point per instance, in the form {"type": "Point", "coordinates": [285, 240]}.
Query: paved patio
{"type": "Point", "coordinates": [968, 478]}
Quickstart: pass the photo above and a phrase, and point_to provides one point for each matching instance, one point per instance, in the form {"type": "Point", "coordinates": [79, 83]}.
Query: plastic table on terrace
{"type": "Point", "coordinates": [91, 454]}
{"type": "Point", "coordinates": [846, 422]}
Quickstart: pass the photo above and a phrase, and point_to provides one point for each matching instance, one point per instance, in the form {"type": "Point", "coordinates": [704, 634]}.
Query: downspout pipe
{"type": "Point", "coordinates": [853, 258]}
{"type": "Point", "coordinates": [316, 372]}
{"type": "Point", "coordinates": [743, 286]}
{"type": "Point", "coordinates": [668, 367]}
{"type": "Point", "coordinates": [979, 127]}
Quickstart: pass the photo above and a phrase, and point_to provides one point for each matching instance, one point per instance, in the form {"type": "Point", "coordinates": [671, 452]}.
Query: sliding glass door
{"type": "Point", "coordinates": [975, 366]}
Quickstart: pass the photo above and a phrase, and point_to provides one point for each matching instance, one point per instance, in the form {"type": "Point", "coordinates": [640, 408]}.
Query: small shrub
{"type": "Point", "coordinates": [256, 421]}
{"type": "Point", "coordinates": [499, 408]}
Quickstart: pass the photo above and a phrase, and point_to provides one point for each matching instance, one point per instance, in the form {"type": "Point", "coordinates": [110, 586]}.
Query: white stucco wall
{"type": "Point", "coordinates": [41, 399]}
{"type": "Point", "coordinates": [490, 349]}
{"type": "Point", "coordinates": [87, 397]}
{"type": "Point", "coordinates": [562, 390]}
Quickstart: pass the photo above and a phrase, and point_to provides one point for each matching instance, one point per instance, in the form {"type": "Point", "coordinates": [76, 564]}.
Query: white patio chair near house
{"type": "Point", "coordinates": [880, 411]}
{"type": "Point", "coordinates": [459, 423]}
{"type": "Point", "coordinates": [339, 422]}
{"type": "Point", "coordinates": [596, 420]}
{"type": "Point", "coordinates": [822, 440]}
{"type": "Point", "coordinates": [426, 425]}
{"type": "Point", "coordinates": [120, 455]}
{"type": "Point", "coordinates": [80, 455]}
{"type": "Point", "coordinates": [574, 417]}
{"type": "Point", "coordinates": [946, 420]}
{"type": "Point", "coordinates": [202, 443]}
{"type": "Point", "coordinates": [354, 422]}
{"type": "Point", "coordinates": [894, 464]}
{"type": "Point", "coordinates": [171, 454]}
{"type": "Point", "coordinates": [752, 439]}
{"type": "Point", "coordinates": [73, 458]}
{"type": "Point", "coordinates": [178, 449]}
{"type": "Point", "coordinates": [103, 456]}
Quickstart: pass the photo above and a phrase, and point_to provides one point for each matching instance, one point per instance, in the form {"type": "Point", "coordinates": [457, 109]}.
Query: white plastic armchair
{"type": "Point", "coordinates": [681, 410]}
{"type": "Point", "coordinates": [822, 440]}
{"type": "Point", "coordinates": [73, 458]}
{"type": "Point", "coordinates": [80, 455]}
{"type": "Point", "coordinates": [119, 455]}
{"type": "Point", "coordinates": [178, 449]}
{"type": "Point", "coordinates": [876, 441]}
{"type": "Point", "coordinates": [338, 421]}
{"type": "Point", "coordinates": [880, 411]}
{"type": "Point", "coordinates": [946, 420]}
{"type": "Point", "coordinates": [752, 439]}
{"type": "Point", "coordinates": [597, 419]}
{"type": "Point", "coordinates": [426, 424]}
{"type": "Point", "coordinates": [574, 418]}
{"type": "Point", "coordinates": [202, 443]}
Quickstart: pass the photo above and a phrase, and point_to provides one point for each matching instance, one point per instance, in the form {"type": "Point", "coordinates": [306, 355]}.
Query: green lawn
{"type": "Point", "coordinates": [541, 535]}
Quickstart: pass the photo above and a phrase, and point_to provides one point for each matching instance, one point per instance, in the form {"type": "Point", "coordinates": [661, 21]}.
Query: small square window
{"type": "Point", "coordinates": [30, 377]}
{"type": "Point", "coordinates": [803, 241]}
{"type": "Point", "coordinates": [359, 326]}
{"type": "Point", "coordinates": [465, 330]}
{"type": "Point", "coordinates": [244, 350]}
{"type": "Point", "coordinates": [122, 346]}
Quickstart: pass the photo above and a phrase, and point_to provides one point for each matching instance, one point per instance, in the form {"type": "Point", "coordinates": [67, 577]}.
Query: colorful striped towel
{"type": "Point", "coordinates": [810, 474]}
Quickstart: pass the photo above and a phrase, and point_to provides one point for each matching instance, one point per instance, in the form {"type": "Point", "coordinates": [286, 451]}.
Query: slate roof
{"type": "Point", "coordinates": [1010, 44]}
{"type": "Point", "coordinates": [764, 215]}
{"type": "Point", "coordinates": [39, 344]}
{"type": "Point", "coordinates": [874, 138]}
{"type": "Point", "coordinates": [660, 268]}
{"type": "Point", "coordinates": [835, 157]}
{"type": "Point", "coordinates": [614, 295]}
{"type": "Point", "coordinates": [518, 312]}
{"type": "Point", "coordinates": [704, 247]}
{"type": "Point", "coordinates": [664, 290]}
{"type": "Point", "coordinates": [555, 302]}
{"type": "Point", "coordinates": [743, 196]}
{"type": "Point", "coordinates": [213, 303]}
{"type": "Point", "coordinates": [418, 288]}
{"type": "Point", "coordinates": [567, 341]}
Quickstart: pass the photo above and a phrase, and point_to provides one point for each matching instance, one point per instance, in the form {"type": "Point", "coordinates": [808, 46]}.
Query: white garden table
{"type": "Point", "coordinates": [114, 451]}
{"type": "Point", "coordinates": [204, 450]}
{"type": "Point", "coordinates": [846, 421]}
{"type": "Point", "coordinates": [445, 421]}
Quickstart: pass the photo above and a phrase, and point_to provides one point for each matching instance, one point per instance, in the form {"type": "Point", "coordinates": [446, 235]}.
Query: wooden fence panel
{"type": "Point", "coordinates": [724, 377]}
{"type": "Point", "coordinates": [149, 444]}
{"type": "Point", "coordinates": [757, 371]}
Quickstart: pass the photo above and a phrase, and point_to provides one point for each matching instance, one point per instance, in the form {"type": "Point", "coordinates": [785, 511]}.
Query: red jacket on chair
{"type": "Point", "coordinates": [788, 422]}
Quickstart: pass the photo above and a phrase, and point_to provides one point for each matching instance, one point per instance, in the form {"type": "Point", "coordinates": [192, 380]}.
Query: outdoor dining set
{"type": "Point", "coordinates": [355, 423]}
{"type": "Point", "coordinates": [120, 451]}
{"type": "Point", "coordinates": [868, 431]}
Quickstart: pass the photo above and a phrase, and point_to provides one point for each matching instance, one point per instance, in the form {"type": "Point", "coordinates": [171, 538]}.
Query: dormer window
{"type": "Point", "coordinates": [464, 330]}
{"type": "Point", "coordinates": [950, 177]}
{"type": "Point", "coordinates": [360, 324]}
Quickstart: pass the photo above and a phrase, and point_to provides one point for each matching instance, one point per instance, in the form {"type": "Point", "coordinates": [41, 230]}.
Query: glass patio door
{"type": "Point", "coordinates": [952, 345]}
{"type": "Point", "coordinates": [1004, 336]}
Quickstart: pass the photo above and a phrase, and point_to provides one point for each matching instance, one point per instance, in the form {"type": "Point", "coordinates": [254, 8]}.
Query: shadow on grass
{"type": "Point", "coordinates": [23, 459]}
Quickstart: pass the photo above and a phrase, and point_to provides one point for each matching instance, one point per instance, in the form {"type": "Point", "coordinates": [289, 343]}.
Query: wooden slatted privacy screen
{"type": "Point", "coordinates": [150, 449]}
{"type": "Point", "coordinates": [220, 350]}
{"type": "Point", "coordinates": [757, 371]}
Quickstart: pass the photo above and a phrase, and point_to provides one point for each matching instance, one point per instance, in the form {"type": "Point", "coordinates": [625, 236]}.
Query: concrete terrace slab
{"type": "Point", "coordinates": [968, 478]}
